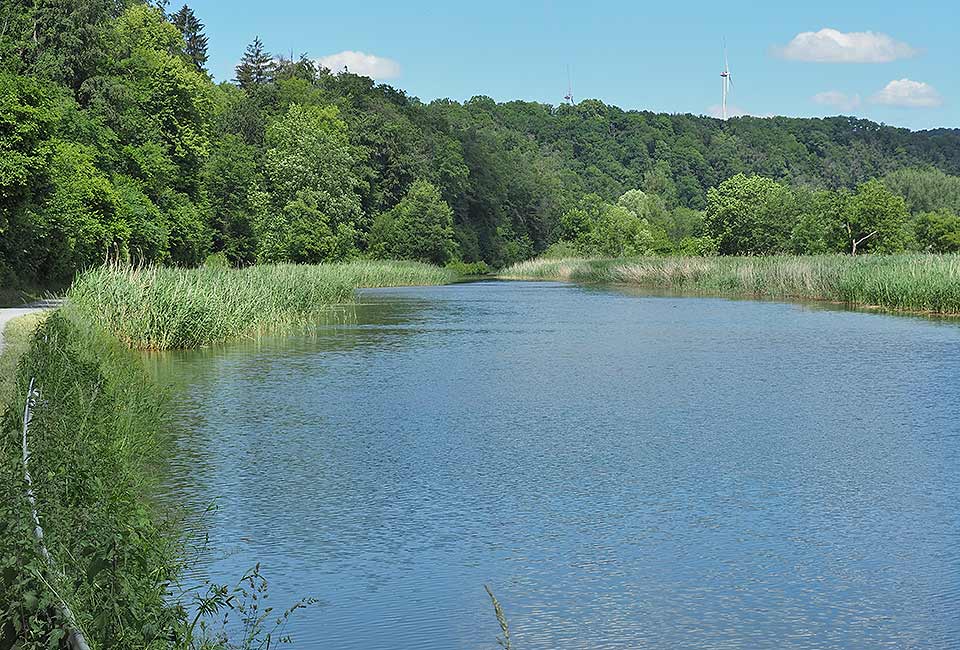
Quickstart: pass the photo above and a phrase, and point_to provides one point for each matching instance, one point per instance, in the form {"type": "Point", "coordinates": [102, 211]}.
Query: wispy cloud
{"type": "Point", "coordinates": [908, 93]}
{"type": "Point", "coordinates": [368, 65]}
{"type": "Point", "coordinates": [837, 99]}
{"type": "Point", "coordinates": [833, 46]}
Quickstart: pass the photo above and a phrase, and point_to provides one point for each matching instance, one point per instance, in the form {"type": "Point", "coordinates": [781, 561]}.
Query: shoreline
{"type": "Point", "coordinates": [921, 285]}
{"type": "Point", "coordinates": [654, 291]}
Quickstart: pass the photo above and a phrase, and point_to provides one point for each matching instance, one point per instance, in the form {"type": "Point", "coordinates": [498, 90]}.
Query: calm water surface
{"type": "Point", "coordinates": [623, 471]}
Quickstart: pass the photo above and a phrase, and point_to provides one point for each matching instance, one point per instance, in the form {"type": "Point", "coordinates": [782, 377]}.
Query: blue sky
{"type": "Point", "coordinates": [893, 62]}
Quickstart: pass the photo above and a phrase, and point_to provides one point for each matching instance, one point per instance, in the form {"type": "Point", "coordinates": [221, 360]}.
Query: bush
{"type": "Point", "coordinates": [466, 269]}
{"type": "Point", "coordinates": [216, 261]}
{"type": "Point", "coordinates": [91, 437]}
{"type": "Point", "coordinates": [561, 249]}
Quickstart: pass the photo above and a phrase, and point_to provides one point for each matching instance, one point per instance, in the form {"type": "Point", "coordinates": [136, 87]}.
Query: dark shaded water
{"type": "Point", "coordinates": [623, 471]}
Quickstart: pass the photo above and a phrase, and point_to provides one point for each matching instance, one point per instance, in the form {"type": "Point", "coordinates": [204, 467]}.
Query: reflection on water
{"type": "Point", "coordinates": [623, 471]}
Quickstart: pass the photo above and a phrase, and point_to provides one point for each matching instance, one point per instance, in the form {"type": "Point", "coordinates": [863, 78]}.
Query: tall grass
{"type": "Point", "coordinates": [115, 558]}
{"type": "Point", "coordinates": [913, 283]}
{"type": "Point", "coordinates": [93, 432]}
{"type": "Point", "coordinates": [156, 308]}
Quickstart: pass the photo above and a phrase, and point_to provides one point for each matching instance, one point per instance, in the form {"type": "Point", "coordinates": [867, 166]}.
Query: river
{"type": "Point", "coordinates": [623, 470]}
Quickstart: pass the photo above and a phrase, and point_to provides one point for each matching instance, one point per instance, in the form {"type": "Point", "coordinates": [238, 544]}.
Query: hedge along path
{"type": "Point", "coordinates": [75, 639]}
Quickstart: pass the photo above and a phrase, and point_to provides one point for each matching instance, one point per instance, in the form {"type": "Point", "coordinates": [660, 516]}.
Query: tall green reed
{"type": "Point", "coordinates": [163, 308]}
{"type": "Point", "coordinates": [913, 283]}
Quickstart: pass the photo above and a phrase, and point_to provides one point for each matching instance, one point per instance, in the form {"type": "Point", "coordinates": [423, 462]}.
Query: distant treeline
{"type": "Point", "coordinates": [115, 143]}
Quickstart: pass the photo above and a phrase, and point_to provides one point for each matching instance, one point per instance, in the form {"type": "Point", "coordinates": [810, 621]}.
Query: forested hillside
{"type": "Point", "coordinates": [116, 144]}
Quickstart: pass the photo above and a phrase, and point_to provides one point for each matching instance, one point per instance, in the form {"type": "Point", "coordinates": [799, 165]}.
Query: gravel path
{"type": "Point", "coordinates": [9, 314]}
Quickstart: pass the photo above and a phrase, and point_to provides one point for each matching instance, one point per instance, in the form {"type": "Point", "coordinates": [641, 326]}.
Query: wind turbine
{"type": "Point", "coordinates": [569, 96]}
{"type": "Point", "coordinates": [727, 82]}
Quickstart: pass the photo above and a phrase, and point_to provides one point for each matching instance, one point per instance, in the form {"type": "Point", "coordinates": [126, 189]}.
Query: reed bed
{"type": "Point", "coordinates": [911, 283]}
{"type": "Point", "coordinates": [158, 308]}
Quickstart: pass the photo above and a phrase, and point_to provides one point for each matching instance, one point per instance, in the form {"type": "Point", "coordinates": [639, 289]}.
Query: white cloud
{"type": "Point", "coordinates": [837, 99]}
{"type": "Point", "coordinates": [909, 93]}
{"type": "Point", "coordinates": [368, 65]}
{"type": "Point", "coordinates": [833, 46]}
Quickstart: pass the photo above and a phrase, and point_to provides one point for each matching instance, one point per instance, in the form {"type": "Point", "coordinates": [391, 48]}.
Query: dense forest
{"type": "Point", "coordinates": [115, 143]}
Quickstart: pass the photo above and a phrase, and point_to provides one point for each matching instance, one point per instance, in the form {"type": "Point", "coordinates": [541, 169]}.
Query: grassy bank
{"type": "Point", "coordinates": [94, 431]}
{"type": "Point", "coordinates": [167, 308]}
{"type": "Point", "coordinates": [913, 283]}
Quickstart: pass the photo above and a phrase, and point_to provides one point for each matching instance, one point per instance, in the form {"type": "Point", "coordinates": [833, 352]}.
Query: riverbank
{"type": "Point", "coordinates": [907, 283]}
{"type": "Point", "coordinates": [96, 430]}
{"type": "Point", "coordinates": [95, 426]}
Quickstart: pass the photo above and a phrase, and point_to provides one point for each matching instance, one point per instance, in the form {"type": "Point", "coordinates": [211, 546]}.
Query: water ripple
{"type": "Point", "coordinates": [624, 471]}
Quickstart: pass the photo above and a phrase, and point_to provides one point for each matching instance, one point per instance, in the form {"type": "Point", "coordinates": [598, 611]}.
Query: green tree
{"type": "Point", "coordinates": [312, 236]}
{"type": "Point", "coordinates": [153, 100]}
{"type": "Point", "coordinates": [190, 236]}
{"type": "Point", "coordinates": [644, 205]}
{"type": "Point", "coordinates": [578, 223]}
{"type": "Point", "coordinates": [812, 233]}
{"type": "Point", "coordinates": [256, 67]}
{"type": "Point", "coordinates": [58, 40]}
{"type": "Point", "coordinates": [925, 190]}
{"type": "Point", "coordinates": [873, 219]}
{"type": "Point", "coordinates": [309, 169]}
{"type": "Point", "coordinates": [27, 122]}
{"type": "Point", "coordinates": [938, 232]}
{"type": "Point", "coordinates": [309, 148]}
{"type": "Point", "coordinates": [82, 212]}
{"type": "Point", "coordinates": [229, 176]}
{"type": "Point", "coordinates": [419, 227]}
{"type": "Point", "coordinates": [148, 238]}
{"type": "Point", "coordinates": [621, 233]}
{"type": "Point", "coordinates": [595, 227]}
{"type": "Point", "coordinates": [195, 41]}
{"type": "Point", "coordinates": [749, 215]}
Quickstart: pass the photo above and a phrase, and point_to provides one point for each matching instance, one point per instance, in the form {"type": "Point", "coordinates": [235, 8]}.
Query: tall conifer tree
{"type": "Point", "coordinates": [193, 36]}
{"type": "Point", "coordinates": [256, 66]}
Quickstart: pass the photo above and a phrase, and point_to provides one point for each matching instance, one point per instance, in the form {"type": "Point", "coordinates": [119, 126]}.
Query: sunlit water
{"type": "Point", "coordinates": [623, 471]}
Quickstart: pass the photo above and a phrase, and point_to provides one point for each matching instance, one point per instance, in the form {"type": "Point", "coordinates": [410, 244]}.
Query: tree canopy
{"type": "Point", "coordinates": [116, 143]}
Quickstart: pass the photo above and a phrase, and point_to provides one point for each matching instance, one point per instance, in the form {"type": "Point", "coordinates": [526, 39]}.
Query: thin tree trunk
{"type": "Point", "coordinates": [857, 242]}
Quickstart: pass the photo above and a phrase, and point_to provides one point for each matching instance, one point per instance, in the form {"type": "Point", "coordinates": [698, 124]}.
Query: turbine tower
{"type": "Point", "coordinates": [727, 80]}
{"type": "Point", "coordinates": [569, 96]}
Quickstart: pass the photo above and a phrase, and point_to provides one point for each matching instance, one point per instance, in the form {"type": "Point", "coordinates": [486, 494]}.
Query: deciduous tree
{"type": "Point", "coordinates": [419, 227]}
{"type": "Point", "coordinates": [874, 219]}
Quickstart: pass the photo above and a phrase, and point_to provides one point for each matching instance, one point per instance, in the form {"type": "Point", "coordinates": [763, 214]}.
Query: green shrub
{"type": "Point", "coordinates": [216, 261]}
{"type": "Point", "coordinates": [467, 269]}
{"type": "Point", "coordinates": [561, 249]}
